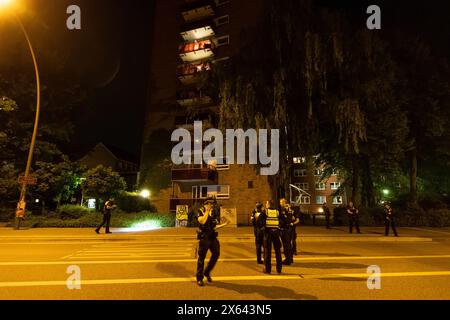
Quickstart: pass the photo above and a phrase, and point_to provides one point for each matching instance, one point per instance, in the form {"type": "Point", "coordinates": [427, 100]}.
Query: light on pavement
{"type": "Point", "coordinates": [147, 225]}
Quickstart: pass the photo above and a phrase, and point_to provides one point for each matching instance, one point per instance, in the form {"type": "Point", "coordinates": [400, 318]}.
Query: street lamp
{"type": "Point", "coordinates": [22, 203]}
{"type": "Point", "coordinates": [145, 194]}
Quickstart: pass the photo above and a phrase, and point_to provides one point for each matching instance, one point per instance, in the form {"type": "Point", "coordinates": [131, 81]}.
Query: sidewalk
{"type": "Point", "coordinates": [305, 234]}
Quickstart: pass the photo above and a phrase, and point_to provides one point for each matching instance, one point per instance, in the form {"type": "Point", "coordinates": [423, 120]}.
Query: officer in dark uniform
{"type": "Point", "coordinates": [258, 230]}
{"type": "Point", "coordinates": [389, 219]}
{"type": "Point", "coordinates": [207, 236]}
{"type": "Point", "coordinates": [353, 217]}
{"type": "Point", "coordinates": [327, 213]}
{"type": "Point", "coordinates": [271, 218]}
{"type": "Point", "coordinates": [108, 208]}
{"type": "Point", "coordinates": [287, 226]}
{"type": "Point", "coordinates": [295, 220]}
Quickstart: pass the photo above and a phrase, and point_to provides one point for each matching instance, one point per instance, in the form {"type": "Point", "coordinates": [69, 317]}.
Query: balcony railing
{"type": "Point", "coordinates": [199, 9]}
{"type": "Point", "coordinates": [197, 50]}
{"type": "Point", "coordinates": [193, 98]}
{"type": "Point", "coordinates": [198, 30]}
{"type": "Point", "coordinates": [187, 73]}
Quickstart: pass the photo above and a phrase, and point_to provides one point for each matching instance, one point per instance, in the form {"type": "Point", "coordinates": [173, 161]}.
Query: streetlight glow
{"type": "Point", "coordinates": [145, 194]}
{"type": "Point", "coordinates": [5, 3]}
{"type": "Point", "coordinates": [385, 192]}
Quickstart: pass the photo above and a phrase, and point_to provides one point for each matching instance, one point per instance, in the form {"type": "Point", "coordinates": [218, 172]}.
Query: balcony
{"type": "Point", "coordinates": [188, 73]}
{"type": "Point", "coordinates": [193, 173]}
{"type": "Point", "coordinates": [193, 98]}
{"type": "Point", "coordinates": [197, 10]}
{"type": "Point", "coordinates": [196, 50]}
{"type": "Point", "coordinates": [198, 30]}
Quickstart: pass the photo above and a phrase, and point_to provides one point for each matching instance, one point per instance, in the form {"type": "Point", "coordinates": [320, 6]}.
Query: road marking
{"type": "Point", "coordinates": [297, 259]}
{"type": "Point", "coordinates": [429, 230]}
{"type": "Point", "coordinates": [223, 278]}
{"type": "Point", "coordinates": [116, 251]}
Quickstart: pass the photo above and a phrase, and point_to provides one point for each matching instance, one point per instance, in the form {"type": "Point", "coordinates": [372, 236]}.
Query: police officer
{"type": "Point", "coordinates": [271, 218]}
{"type": "Point", "coordinates": [208, 220]}
{"type": "Point", "coordinates": [327, 213]}
{"type": "Point", "coordinates": [353, 217]}
{"type": "Point", "coordinates": [295, 222]}
{"type": "Point", "coordinates": [287, 226]}
{"type": "Point", "coordinates": [108, 208]}
{"type": "Point", "coordinates": [258, 230]}
{"type": "Point", "coordinates": [389, 219]}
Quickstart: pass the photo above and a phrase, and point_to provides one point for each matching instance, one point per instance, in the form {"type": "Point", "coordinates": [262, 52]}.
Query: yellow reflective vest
{"type": "Point", "coordinates": [272, 219]}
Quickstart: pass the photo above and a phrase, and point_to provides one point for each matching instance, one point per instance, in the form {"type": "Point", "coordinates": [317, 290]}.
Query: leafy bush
{"type": "Point", "coordinates": [92, 219]}
{"type": "Point", "coordinates": [438, 217]}
{"type": "Point", "coordinates": [6, 214]}
{"type": "Point", "coordinates": [68, 212]}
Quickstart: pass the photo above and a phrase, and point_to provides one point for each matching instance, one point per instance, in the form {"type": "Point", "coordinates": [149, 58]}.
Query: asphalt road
{"type": "Point", "coordinates": [161, 264]}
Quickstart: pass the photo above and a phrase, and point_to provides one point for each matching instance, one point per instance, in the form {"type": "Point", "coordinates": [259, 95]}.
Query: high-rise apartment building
{"type": "Point", "coordinates": [190, 38]}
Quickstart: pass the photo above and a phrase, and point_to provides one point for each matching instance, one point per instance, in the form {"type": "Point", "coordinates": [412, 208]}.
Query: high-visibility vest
{"type": "Point", "coordinates": [272, 220]}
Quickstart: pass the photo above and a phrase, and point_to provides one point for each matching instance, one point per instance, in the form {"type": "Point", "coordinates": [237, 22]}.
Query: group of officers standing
{"type": "Point", "coordinates": [275, 227]}
{"type": "Point", "coordinates": [272, 228]}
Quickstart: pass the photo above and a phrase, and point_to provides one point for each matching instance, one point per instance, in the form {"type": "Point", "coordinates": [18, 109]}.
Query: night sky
{"type": "Point", "coordinates": [111, 57]}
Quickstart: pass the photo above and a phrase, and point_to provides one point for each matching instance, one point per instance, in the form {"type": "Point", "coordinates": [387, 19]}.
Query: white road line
{"type": "Point", "coordinates": [297, 259]}
{"type": "Point", "coordinates": [223, 278]}
{"type": "Point", "coordinates": [429, 230]}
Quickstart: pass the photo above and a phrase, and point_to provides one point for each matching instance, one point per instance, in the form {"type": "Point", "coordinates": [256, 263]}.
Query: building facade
{"type": "Point", "coordinates": [190, 38]}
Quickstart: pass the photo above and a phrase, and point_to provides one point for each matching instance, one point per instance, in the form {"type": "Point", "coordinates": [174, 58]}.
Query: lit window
{"type": "Point", "coordinates": [318, 172]}
{"type": "Point", "coordinates": [305, 200]}
{"type": "Point", "coordinates": [299, 160]}
{"type": "Point", "coordinates": [335, 185]}
{"type": "Point", "coordinates": [334, 172]}
{"type": "Point", "coordinates": [320, 186]}
{"type": "Point", "coordinates": [321, 199]}
{"type": "Point", "coordinates": [337, 200]}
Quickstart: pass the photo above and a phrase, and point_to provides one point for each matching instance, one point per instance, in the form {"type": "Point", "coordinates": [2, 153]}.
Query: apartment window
{"type": "Point", "coordinates": [305, 200]}
{"type": "Point", "coordinates": [321, 199]}
{"type": "Point", "coordinates": [222, 41]}
{"type": "Point", "coordinates": [299, 160]}
{"type": "Point", "coordinates": [218, 191]}
{"type": "Point", "coordinates": [318, 172]}
{"type": "Point", "coordinates": [299, 172]}
{"type": "Point", "coordinates": [320, 186]}
{"type": "Point", "coordinates": [302, 185]}
{"type": "Point", "coordinates": [335, 185]}
{"type": "Point", "coordinates": [250, 184]}
{"type": "Point", "coordinates": [222, 2]}
{"type": "Point", "coordinates": [337, 200]}
{"type": "Point", "coordinates": [222, 20]}
{"type": "Point", "coordinates": [334, 172]}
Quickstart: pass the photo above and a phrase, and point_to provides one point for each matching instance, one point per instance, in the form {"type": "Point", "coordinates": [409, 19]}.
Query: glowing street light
{"type": "Point", "coordinates": [6, 4]}
{"type": "Point", "coordinates": [386, 192]}
{"type": "Point", "coordinates": [145, 194]}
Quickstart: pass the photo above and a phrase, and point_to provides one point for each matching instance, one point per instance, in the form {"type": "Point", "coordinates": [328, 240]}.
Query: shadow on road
{"type": "Point", "coordinates": [269, 292]}
{"type": "Point", "coordinates": [343, 279]}
{"type": "Point", "coordinates": [175, 270]}
{"type": "Point", "coordinates": [336, 254]}
{"type": "Point", "coordinates": [330, 265]}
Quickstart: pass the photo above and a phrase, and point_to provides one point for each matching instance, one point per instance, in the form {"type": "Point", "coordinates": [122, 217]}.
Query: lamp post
{"type": "Point", "coordinates": [22, 203]}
